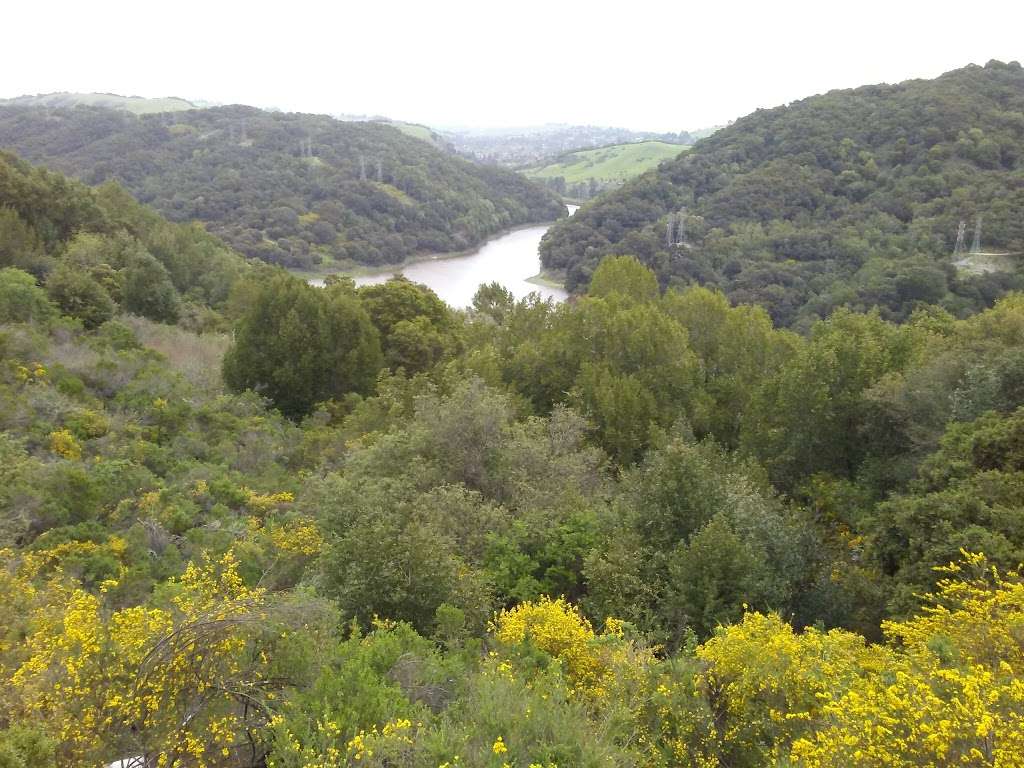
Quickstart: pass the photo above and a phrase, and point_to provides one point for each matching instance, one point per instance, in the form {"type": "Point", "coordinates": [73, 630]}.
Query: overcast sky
{"type": "Point", "coordinates": [663, 66]}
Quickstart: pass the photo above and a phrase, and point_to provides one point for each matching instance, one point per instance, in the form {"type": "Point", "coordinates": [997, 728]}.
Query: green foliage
{"type": "Point", "coordinates": [416, 328]}
{"type": "Point", "coordinates": [148, 290]}
{"type": "Point", "coordinates": [292, 189]}
{"type": "Point", "coordinates": [299, 346]}
{"type": "Point", "coordinates": [21, 300]}
{"type": "Point", "coordinates": [19, 244]}
{"type": "Point", "coordinates": [851, 198]}
{"type": "Point", "coordinates": [22, 747]}
{"type": "Point", "coordinates": [80, 295]}
{"type": "Point", "coordinates": [966, 497]}
{"type": "Point", "coordinates": [625, 276]}
{"type": "Point", "coordinates": [712, 578]}
{"type": "Point", "coordinates": [99, 251]}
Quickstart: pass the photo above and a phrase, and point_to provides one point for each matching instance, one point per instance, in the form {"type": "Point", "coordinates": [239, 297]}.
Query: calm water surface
{"type": "Point", "coordinates": [509, 259]}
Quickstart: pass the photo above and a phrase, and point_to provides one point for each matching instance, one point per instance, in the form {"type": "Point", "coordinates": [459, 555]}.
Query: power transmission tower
{"type": "Point", "coordinates": [976, 245]}
{"type": "Point", "coordinates": [670, 236]}
{"type": "Point", "coordinates": [960, 232]}
{"type": "Point", "coordinates": [681, 231]}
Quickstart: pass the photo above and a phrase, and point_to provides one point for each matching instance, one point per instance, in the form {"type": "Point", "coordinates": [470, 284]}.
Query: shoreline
{"type": "Point", "coordinates": [366, 270]}
{"type": "Point", "coordinates": [548, 279]}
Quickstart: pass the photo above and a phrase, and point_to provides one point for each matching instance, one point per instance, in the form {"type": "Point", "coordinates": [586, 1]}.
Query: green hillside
{"type": "Point", "coordinates": [617, 163]}
{"type": "Point", "coordinates": [99, 252]}
{"type": "Point", "coordinates": [417, 131]}
{"type": "Point", "coordinates": [137, 105]}
{"type": "Point", "coordinates": [292, 189]}
{"type": "Point", "coordinates": [852, 198]}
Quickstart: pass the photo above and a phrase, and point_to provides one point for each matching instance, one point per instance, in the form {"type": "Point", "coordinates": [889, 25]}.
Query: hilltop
{"type": "Point", "coordinates": [137, 105]}
{"type": "Point", "coordinates": [851, 198]}
{"type": "Point", "coordinates": [294, 189]}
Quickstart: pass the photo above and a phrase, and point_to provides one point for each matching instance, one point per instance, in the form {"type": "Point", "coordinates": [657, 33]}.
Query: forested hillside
{"type": "Point", "coordinates": [852, 198]}
{"type": "Point", "coordinates": [99, 252]}
{"type": "Point", "coordinates": [291, 189]}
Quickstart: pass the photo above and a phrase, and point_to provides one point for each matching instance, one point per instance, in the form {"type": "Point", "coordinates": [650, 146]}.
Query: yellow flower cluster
{"type": "Point", "coordinates": [557, 628]}
{"type": "Point", "coordinates": [33, 374]}
{"type": "Point", "coordinates": [773, 682]}
{"type": "Point", "coordinates": [90, 674]}
{"type": "Point", "coordinates": [264, 502]}
{"type": "Point", "coordinates": [594, 663]}
{"type": "Point", "coordinates": [952, 695]}
{"type": "Point", "coordinates": [388, 745]}
{"type": "Point", "coordinates": [64, 444]}
{"type": "Point", "coordinates": [299, 537]}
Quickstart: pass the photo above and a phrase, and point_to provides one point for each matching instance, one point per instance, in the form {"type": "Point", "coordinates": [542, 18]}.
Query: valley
{"type": "Point", "coordinates": [330, 439]}
{"type": "Point", "coordinates": [512, 260]}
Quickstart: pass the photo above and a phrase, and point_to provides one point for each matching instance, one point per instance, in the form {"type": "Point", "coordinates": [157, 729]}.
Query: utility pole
{"type": "Point", "coordinates": [681, 230]}
{"type": "Point", "coordinates": [976, 245]}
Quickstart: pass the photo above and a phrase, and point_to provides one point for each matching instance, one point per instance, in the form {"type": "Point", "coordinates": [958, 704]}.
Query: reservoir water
{"type": "Point", "coordinates": [510, 259]}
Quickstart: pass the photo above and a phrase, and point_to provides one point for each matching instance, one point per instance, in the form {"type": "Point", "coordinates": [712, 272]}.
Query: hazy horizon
{"type": "Point", "coordinates": [455, 64]}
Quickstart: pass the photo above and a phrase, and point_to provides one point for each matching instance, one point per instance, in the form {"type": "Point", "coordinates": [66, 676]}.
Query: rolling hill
{"type": "Point", "coordinates": [294, 189]}
{"type": "Point", "coordinates": [137, 105]}
{"type": "Point", "coordinates": [851, 198]}
{"type": "Point", "coordinates": [582, 174]}
{"type": "Point", "coordinates": [537, 145]}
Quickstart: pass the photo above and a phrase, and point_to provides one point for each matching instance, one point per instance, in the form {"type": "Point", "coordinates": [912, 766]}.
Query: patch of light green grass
{"type": "Point", "coordinates": [616, 163]}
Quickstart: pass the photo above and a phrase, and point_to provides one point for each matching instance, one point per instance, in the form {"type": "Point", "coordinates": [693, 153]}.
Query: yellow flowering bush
{"type": "Point", "coordinates": [556, 628]}
{"type": "Point", "coordinates": [297, 537]}
{"type": "Point", "coordinates": [184, 679]}
{"type": "Point", "coordinates": [389, 745]}
{"type": "Point", "coordinates": [65, 444]}
{"type": "Point", "coordinates": [262, 503]}
{"type": "Point", "coordinates": [34, 373]}
{"type": "Point", "coordinates": [767, 684]}
{"type": "Point", "coordinates": [594, 663]}
{"type": "Point", "coordinates": [955, 693]}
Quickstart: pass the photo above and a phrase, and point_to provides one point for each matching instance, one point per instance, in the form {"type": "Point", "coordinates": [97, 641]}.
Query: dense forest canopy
{"type": "Point", "coordinates": [852, 198]}
{"type": "Point", "coordinates": [291, 189]}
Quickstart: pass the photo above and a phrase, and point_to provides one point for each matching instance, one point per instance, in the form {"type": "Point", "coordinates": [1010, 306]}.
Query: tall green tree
{"type": "Point", "coordinates": [299, 345]}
